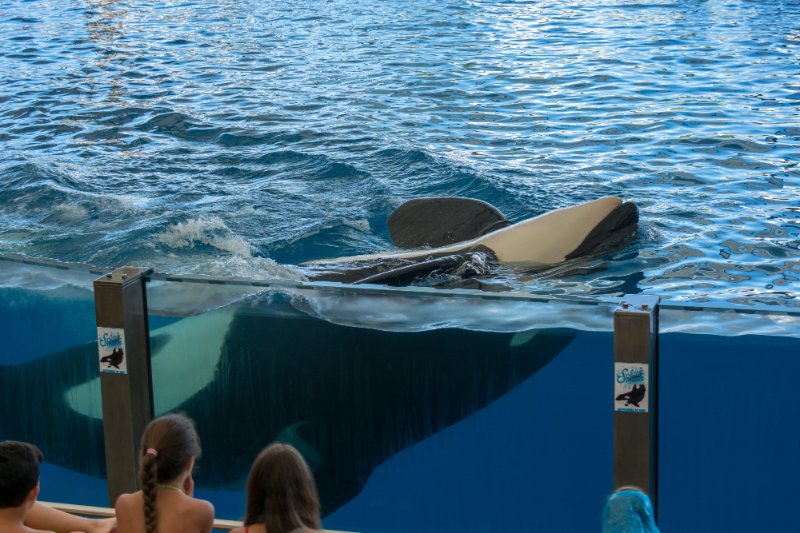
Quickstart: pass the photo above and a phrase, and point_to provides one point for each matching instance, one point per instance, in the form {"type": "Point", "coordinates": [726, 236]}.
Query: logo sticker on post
{"type": "Point", "coordinates": [631, 383]}
{"type": "Point", "coordinates": [111, 346]}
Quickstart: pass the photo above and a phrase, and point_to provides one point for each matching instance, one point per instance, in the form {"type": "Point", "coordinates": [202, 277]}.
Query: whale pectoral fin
{"type": "Point", "coordinates": [434, 222]}
{"type": "Point", "coordinates": [405, 274]}
{"type": "Point", "coordinates": [523, 337]}
{"type": "Point", "coordinates": [614, 227]}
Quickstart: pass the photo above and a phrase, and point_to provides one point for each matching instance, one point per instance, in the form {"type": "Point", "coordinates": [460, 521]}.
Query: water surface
{"type": "Point", "coordinates": [243, 137]}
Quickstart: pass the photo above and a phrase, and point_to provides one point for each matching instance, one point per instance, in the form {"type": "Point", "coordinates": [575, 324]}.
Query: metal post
{"type": "Point", "coordinates": [125, 379]}
{"type": "Point", "coordinates": [636, 394]}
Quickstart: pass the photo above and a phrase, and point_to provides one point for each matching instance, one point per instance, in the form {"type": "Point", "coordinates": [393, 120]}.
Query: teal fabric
{"type": "Point", "coordinates": [629, 511]}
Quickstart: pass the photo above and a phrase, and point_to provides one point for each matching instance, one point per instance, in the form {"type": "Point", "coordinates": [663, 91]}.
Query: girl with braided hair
{"type": "Point", "coordinates": [281, 494]}
{"type": "Point", "coordinates": [166, 503]}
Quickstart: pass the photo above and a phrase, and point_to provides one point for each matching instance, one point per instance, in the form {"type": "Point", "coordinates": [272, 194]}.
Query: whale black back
{"type": "Point", "coordinates": [434, 222]}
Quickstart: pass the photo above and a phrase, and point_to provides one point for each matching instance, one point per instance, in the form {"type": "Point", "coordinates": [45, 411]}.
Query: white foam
{"type": "Point", "coordinates": [68, 213]}
{"type": "Point", "coordinates": [246, 210]}
{"type": "Point", "coordinates": [211, 231]}
{"type": "Point", "coordinates": [259, 268]}
{"type": "Point", "coordinates": [361, 224]}
{"type": "Point", "coordinates": [128, 201]}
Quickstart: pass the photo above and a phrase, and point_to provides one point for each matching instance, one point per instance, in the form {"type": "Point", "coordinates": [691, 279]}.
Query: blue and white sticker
{"type": "Point", "coordinates": [111, 347]}
{"type": "Point", "coordinates": [631, 387]}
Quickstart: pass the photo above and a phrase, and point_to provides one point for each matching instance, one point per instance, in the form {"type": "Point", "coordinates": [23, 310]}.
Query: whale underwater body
{"type": "Point", "coordinates": [463, 237]}
{"type": "Point", "coordinates": [260, 370]}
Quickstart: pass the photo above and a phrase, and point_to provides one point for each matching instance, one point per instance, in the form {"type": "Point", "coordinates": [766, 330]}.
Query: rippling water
{"type": "Point", "coordinates": [242, 137]}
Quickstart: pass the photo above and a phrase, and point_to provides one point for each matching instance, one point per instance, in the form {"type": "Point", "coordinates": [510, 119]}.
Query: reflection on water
{"type": "Point", "coordinates": [105, 29]}
{"type": "Point", "coordinates": [235, 138]}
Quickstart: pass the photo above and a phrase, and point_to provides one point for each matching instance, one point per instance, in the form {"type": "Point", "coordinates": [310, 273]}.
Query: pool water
{"type": "Point", "coordinates": [242, 138]}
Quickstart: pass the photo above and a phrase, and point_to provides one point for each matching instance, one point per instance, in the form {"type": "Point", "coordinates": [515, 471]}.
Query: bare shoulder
{"type": "Point", "coordinates": [203, 506]}
{"type": "Point", "coordinates": [203, 511]}
{"type": "Point", "coordinates": [128, 510]}
{"type": "Point", "coordinates": [126, 502]}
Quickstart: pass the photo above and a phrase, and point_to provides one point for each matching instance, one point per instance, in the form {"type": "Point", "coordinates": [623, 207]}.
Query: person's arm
{"type": "Point", "coordinates": [41, 516]}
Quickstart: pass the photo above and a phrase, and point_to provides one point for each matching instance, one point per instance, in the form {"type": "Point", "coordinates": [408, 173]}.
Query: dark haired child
{"type": "Point", "coordinates": [281, 493]}
{"type": "Point", "coordinates": [19, 484]}
{"type": "Point", "coordinates": [19, 470]}
{"type": "Point", "coordinates": [166, 502]}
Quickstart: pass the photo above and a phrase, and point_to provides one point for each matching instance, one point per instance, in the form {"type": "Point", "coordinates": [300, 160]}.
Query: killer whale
{"type": "Point", "coordinates": [350, 397]}
{"type": "Point", "coordinates": [463, 235]}
{"type": "Point", "coordinates": [252, 354]}
{"type": "Point", "coordinates": [634, 396]}
{"type": "Point", "coordinates": [114, 359]}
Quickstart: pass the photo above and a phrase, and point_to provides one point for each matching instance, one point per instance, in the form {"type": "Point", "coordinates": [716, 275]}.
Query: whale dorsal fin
{"type": "Point", "coordinates": [433, 222]}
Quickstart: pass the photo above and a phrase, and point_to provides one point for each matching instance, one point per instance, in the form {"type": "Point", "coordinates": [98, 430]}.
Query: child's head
{"type": "Point", "coordinates": [19, 472]}
{"type": "Point", "coordinates": [629, 510]}
{"type": "Point", "coordinates": [281, 493]}
{"type": "Point", "coordinates": [169, 446]}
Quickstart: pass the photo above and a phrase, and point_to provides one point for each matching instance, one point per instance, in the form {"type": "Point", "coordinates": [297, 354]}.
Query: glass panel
{"type": "Point", "coordinates": [416, 412]}
{"type": "Point", "coordinates": [48, 349]}
{"type": "Point", "coordinates": [729, 421]}
{"type": "Point", "coordinates": [418, 409]}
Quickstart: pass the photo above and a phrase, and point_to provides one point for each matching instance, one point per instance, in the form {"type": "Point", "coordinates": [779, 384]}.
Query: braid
{"type": "Point", "coordinates": [149, 492]}
{"type": "Point", "coordinates": [168, 444]}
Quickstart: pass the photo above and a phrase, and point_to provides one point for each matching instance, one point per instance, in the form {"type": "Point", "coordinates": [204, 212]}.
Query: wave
{"type": "Point", "coordinates": [211, 231]}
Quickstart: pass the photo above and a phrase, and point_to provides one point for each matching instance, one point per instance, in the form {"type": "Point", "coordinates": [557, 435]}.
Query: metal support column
{"type": "Point", "coordinates": [125, 379]}
{"type": "Point", "coordinates": [636, 394]}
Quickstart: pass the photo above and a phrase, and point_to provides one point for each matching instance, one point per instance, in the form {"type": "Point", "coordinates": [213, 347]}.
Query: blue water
{"type": "Point", "coordinates": [240, 138]}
